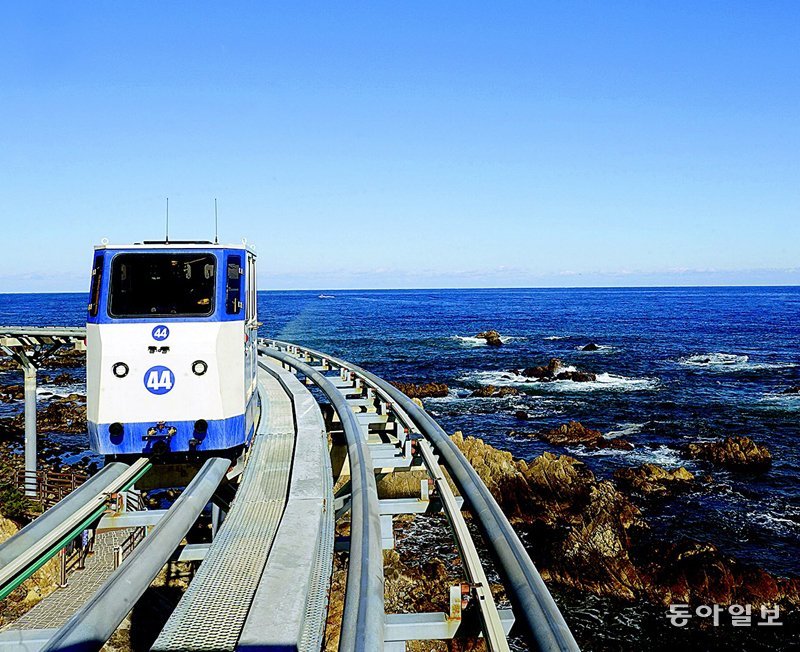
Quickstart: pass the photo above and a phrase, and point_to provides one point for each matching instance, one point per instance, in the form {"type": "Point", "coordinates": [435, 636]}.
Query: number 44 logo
{"type": "Point", "coordinates": [159, 380]}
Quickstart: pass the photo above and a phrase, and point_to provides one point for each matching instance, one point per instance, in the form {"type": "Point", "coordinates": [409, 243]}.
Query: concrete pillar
{"type": "Point", "coordinates": [30, 428]}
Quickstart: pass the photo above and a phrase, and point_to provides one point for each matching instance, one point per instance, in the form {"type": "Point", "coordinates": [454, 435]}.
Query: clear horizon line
{"type": "Point", "coordinates": [498, 287]}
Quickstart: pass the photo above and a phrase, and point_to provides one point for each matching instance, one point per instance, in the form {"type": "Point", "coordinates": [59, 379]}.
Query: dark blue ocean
{"type": "Point", "coordinates": [676, 365]}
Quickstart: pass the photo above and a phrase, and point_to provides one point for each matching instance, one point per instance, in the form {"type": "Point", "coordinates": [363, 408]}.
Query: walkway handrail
{"type": "Point", "coordinates": [534, 607]}
{"type": "Point", "coordinates": [363, 617]}
{"type": "Point", "coordinates": [34, 545]}
{"type": "Point", "coordinates": [40, 526]}
{"type": "Point", "coordinates": [94, 623]}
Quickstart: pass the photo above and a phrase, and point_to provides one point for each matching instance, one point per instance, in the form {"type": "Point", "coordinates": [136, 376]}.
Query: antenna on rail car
{"type": "Point", "coordinates": [216, 223]}
{"type": "Point", "coordinates": [166, 238]}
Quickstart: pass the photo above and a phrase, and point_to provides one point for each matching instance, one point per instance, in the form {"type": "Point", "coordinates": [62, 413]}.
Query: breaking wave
{"type": "Point", "coordinates": [730, 362]}
{"type": "Point", "coordinates": [600, 350]}
{"type": "Point", "coordinates": [472, 341]}
{"type": "Point", "coordinates": [714, 360]}
{"type": "Point", "coordinates": [604, 381]}
{"type": "Point", "coordinates": [663, 456]}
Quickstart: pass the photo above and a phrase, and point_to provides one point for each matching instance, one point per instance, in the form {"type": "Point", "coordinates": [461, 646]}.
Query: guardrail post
{"type": "Point", "coordinates": [30, 426]}
{"type": "Point", "coordinates": [62, 568]}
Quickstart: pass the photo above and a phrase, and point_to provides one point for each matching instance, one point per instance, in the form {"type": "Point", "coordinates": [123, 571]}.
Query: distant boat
{"type": "Point", "coordinates": [326, 296]}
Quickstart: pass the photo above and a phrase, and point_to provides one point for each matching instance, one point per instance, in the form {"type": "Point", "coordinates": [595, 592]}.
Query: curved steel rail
{"type": "Point", "coordinates": [363, 617]}
{"type": "Point", "coordinates": [96, 621]}
{"type": "Point", "coordinates": [534, 607]}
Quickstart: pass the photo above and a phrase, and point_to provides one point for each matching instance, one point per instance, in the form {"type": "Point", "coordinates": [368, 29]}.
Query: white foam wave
{"type": "Point", "coordinates": [714, 360]}
{"type": "Point", "coordinates": [61, 391]}
{"type": "Point", "coordinates": [603, 381]}
{"type": "Point", "coordinates": [790, 402]}
{"type": "Point", "coordinates": [625, 430]}
{"type": "Point", "coordinates": [774, 522]}
{"type": "Point", "coordinates": [472, 341]}
{"type": "Point", "coordinates": [730, 362]}
{"type": "Point", "coordinates": [663, 456]}
{"type": "Point", "coordinates": [556, 337]}
{"type": "Point", "coordinates": [600, 350]}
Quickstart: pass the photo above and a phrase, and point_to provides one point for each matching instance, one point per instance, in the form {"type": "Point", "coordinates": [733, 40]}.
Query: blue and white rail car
{"type": "Point", "coordinates": [171, 348]}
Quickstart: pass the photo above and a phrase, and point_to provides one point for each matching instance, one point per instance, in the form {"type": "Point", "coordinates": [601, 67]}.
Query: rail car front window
{"type": "Point", "coordinates": [168, 285]}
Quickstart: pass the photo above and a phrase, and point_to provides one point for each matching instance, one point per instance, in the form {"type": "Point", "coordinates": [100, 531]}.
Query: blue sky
{"type": "Point", "coordinates": [412, 144]}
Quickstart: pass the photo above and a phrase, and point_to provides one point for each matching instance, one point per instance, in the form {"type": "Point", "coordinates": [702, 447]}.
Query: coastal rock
{"type": "Point", "coordinates": [423, 390]}
{"type": "Point", "coordinates": [584, 533]}
{"type": "Point", "coordinates": [653, 480]}
{"type": "Point", "coordinates": [546, 371]}
{"type": "Point", "coordinates": [579, 525]}
{"type": "Point", "coordinates": [10, 393]}
{"type": "Point", "coordinates": [575, 432]}
{"type": "Point", "coordinates": [591, 346]}
{"type": "Point", "coordinates": [577, 376]}
{"type": "Point", "coordinates": [492, 338]}
{"type": "Point", "coordinates": [698, 573]}
{"type": "Point", "coordinates": [522, 415]}
{"type": "Point", "coordinates": [490, 391]}
{"type": "Point", "coordinates": [554, 370]}
{"type": "Point", "coordinates": [65, 358]}
{"type": "Point", "coordinates": [795, 389]}
{"type": "Point", "coordinates": [62, 414]}
{"type": "Point", "coordinates": [736, 453]}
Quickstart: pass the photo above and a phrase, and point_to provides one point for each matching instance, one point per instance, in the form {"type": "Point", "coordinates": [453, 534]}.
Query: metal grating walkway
{"type": "Point", "coordinates": [290, 606]}
{"type": "Point", "coordinates": [213, 610]}
{"type": "Point", "coordinates": [58, 607]}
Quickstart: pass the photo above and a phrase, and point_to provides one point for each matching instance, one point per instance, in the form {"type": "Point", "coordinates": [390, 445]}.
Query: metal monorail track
{"type": "Point", "coordinates": [263, 581]}
{"type": "Point", "coordinates": [534, 608]}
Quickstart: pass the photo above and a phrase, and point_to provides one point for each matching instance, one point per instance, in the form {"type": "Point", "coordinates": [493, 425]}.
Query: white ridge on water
{"type": "Point", "coordinates": [61, 391]}
{"type": "Point", "coordinates": [601, 349]}
{"type": "Point", "coordinates": [730, 362]}
{"type": "Point", "coordinates": [625, 430]}
{"type": "Point", "coordinates": [661, 455]}
{"type": "Point", "coordinates": [604, 381]}
{"type": "Point", "coordinates": [468, 340]}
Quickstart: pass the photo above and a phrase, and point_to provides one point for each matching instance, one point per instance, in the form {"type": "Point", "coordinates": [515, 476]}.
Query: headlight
{"type": "Point", "coordinates": [199, 367]}
{"type": "Point", "coordinates": [120, 369]}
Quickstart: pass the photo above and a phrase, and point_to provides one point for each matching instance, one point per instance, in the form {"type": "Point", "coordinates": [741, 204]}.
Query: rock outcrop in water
{"type": "Point", "coordinates": [735, 453]}
{"type": "Point", "coordinates": [424, 390]}
{"type": "Point", "coordinates": [653, 480]}
{"type": "Point", "coordinates": [10, 393]}
{"type": "Point", "coordinates": [591, 346]}
{"type": "Point", "coordinates": [554, 370]}
{"type": "Point", "coordinates": [575, 432]}
{"type": "Point", "coordinates": [492, 338]}
{"type": "Point", "coordinates": [579, 526]}
{"type": "Point", "coordinates": [795, 389]}
{"type": "Point", "coordinates": [490, 391]}
{"type": "Point", "coordinates": [62, 414]}
{"type": "Point", "coordinates": [584, 533]}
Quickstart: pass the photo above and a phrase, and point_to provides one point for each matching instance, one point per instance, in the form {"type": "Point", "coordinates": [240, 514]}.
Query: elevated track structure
{"type": "Point", "coordinates": [263, 580]}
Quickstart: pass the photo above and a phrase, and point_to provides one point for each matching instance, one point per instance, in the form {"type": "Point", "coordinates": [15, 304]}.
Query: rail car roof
{"type": "Point", "coordinates": [175, 244]}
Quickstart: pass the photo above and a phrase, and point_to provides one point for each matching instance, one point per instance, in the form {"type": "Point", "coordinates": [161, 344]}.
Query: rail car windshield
{"type": "Point", "coordinates": [162, 284]}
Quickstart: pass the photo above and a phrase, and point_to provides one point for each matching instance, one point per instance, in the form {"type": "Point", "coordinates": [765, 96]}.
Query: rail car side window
{"type": "Point", "coordinates": [94, 293]}
{"type": "Point", "coordinates": [169, 285]}
{"type": "Point", "coordinates": [233, 285]}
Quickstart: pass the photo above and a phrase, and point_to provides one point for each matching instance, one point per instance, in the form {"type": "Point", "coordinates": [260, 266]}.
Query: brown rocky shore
{"type": "Point", "coordinates": [587, 534]}
{"type": "Point", "coordinates": [423, 390]}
